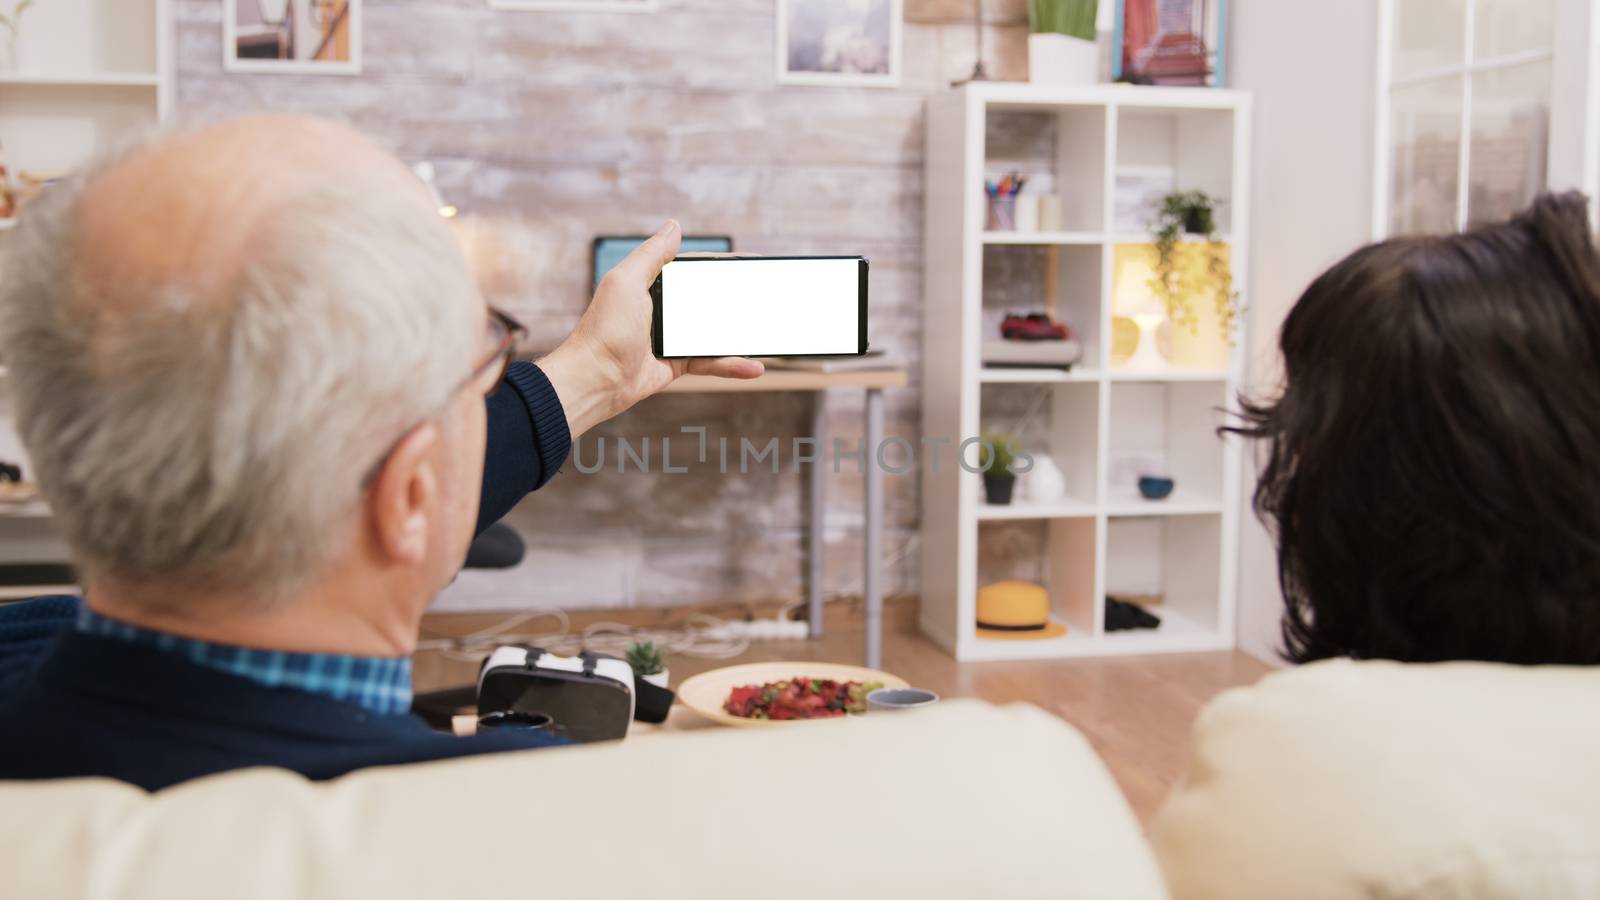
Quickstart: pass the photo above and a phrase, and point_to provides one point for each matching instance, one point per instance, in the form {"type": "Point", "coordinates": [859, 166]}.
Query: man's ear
{"type": "Point", "coordinates": [398, 502]}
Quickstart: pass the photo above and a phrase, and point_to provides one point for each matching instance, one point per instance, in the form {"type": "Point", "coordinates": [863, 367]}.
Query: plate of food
{"type": "Point", "coordinates": [779, 693]}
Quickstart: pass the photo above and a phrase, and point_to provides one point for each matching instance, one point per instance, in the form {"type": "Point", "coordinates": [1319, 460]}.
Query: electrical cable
{"type": "Point", "coordinates": [694, 638]}
{"type": "Point", "coordinates": [702, 635]}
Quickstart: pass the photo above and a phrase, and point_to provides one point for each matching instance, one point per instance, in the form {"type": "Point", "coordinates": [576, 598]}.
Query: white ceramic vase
{"type": "Point", "coordinates": [1045, 482]}
{"type": "Point", "coordinates": [1061, 59]}
{"type": "Point", "coordinates": [659, 679]}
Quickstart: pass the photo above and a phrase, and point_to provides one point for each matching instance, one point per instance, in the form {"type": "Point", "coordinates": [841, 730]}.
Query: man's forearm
{"type": "Point", "coordinates": [526, 444]}
{"type": "Point", "coordinates": [587, 385]}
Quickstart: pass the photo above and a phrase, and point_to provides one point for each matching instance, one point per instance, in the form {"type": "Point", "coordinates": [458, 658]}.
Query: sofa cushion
{"type": "Point", "coordinates": [1375, 779]}
{"type": "Point", "coordinates": [962, 800]}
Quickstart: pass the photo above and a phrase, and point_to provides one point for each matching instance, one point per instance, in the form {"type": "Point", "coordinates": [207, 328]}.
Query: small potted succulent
{"type": "Point", "coordinates": [996, 458]}
{"type": "Point", "coordinates": [649, 662]}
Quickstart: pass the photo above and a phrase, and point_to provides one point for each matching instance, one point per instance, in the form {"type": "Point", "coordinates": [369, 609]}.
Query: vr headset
{"type": "Point", "coordinates": [588, 697]}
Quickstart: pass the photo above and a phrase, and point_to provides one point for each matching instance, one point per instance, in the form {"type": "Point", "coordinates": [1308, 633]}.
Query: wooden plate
{"type": "Point", "coordinates": [705, 693]}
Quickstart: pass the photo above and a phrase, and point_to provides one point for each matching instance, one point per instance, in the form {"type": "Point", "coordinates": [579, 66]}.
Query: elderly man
{"type": "Point", "coordinates": [251, 367]}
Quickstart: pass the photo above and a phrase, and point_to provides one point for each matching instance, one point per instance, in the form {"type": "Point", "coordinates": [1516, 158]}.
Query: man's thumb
{"type": "Point", "coordinates": [650, 256]}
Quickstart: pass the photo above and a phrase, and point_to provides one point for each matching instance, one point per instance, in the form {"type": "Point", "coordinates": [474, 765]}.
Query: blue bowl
{"type": "Point", "coordinates": [1153, 488]}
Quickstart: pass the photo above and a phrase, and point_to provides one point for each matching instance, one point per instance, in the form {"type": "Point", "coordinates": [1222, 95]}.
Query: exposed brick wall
{"type": "Point", "coordinates": [556, 127]}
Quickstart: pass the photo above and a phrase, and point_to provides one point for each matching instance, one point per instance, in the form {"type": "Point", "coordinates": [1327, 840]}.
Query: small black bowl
{"type": "Point", "coordinates": [1152, 487]}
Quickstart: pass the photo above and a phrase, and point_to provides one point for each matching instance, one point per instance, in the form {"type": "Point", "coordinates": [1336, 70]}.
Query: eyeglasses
{"type": "Point", "coordinates": [505, 331]}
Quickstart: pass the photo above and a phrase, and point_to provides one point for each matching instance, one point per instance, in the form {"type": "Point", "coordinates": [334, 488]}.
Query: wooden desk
{"type": "Point", "coordinates": [874, 383]}
{"type": "Point", "coordinates": [783, 380]}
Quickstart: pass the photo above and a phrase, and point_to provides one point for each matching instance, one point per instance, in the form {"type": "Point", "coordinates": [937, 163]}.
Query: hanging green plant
{"type": "Point", "coordinates": [1193, 213]}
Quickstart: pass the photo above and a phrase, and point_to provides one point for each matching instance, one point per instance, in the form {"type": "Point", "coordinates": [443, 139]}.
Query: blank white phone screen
{"type": "Point", "coordinates": [765, 307]}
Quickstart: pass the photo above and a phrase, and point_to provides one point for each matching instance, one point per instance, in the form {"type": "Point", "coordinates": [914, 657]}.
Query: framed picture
{"type": "Point", "coordinates": [578, 5]}
{"type": "Point", "coordinates": [1171, 42]}
{"type": "Point", "coordinates": [839, 42]}
{"type": "Point", "coordinates": [320, 37]}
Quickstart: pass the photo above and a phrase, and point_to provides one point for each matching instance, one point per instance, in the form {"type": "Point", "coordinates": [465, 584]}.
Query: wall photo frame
{"type": "Point", "coordinates": [840, 42]}
{"type": "Point", "coordinates": [1170, 42]}
{"type": "Point", "coordinates": [305, 37]}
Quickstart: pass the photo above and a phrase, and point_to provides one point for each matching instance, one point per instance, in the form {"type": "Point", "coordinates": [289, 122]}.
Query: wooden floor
{"type": "Point", "coordinates": [1137, 711]}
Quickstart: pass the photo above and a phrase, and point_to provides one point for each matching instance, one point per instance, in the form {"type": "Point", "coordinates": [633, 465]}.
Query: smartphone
{"type": "Point", "coordinates": [761, 306]}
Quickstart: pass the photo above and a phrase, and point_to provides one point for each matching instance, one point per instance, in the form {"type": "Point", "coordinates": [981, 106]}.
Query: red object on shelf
{"type": "Point", "coordinates": [1034, 327]}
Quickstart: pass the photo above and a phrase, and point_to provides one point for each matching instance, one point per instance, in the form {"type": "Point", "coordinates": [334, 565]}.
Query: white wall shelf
{"type": "Point", "coordinates": [33, 509]}
{"type": "Point", "coordinates": [1188, 375]}
{"type": "Point", "coordinates": [1064, 508]}
{"type": "Point", "coordinates": [1021, 375]}
{"type": "Point", "coordinates": [1142, 237]}
{"type": "Point", "coordinates": [88, 73]}
{"type": "Point", "coordinates": [1044, 238]}
{"type": "Point", "coordinates": [1096, 421]}
{"type": "Point", "coordinates": [91, 79]}
{"type": "Point", "coordinates": [1130, 504]}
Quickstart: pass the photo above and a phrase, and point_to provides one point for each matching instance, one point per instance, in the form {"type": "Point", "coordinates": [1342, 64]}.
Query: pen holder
{"type": "Point", "coordinates": [1002, 214]}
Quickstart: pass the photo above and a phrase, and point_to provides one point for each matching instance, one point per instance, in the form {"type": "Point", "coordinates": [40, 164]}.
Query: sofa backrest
{"type": "Point", "coordinates": [962, 800]}
{"type": "Point", "coordinates": [1342, 780]}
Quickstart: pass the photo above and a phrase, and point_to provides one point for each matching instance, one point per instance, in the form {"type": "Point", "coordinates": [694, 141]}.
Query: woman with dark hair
{"type": "Point", "coordinates": [1431, 472]}
{"type": "Point", "coordinates": [1429, 475]}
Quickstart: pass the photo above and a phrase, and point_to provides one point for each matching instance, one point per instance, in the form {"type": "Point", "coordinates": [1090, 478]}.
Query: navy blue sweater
{"type": "Point", "coordinates": [73, 704]}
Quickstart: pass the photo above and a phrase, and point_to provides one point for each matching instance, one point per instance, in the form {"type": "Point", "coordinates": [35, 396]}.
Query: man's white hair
{"type": "Point", "coordinates": [221, 442]}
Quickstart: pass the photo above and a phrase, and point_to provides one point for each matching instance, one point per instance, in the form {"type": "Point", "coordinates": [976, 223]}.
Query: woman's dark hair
{"type": "Point", "coordinates": [1433, 466]}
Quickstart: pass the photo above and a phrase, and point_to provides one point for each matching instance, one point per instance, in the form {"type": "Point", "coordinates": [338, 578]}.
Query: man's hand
{"type": "Point", "coordinates": [606, 365]}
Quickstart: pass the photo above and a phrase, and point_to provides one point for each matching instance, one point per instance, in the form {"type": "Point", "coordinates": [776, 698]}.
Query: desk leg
{"type": "Point", "coordinates": [874, 536]}
{"type": "Point", "coordinates": [816, 525]}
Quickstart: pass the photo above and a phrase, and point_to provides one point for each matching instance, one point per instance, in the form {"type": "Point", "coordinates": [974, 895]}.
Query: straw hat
{"type": "Point", "coordinates": [1016, 610]}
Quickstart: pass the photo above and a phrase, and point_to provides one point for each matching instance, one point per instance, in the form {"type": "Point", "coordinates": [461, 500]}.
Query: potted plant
{"type": "Point", "coordinates": [10, 25]}
{"type": "Point", "coordinates": [1061, 45]}
{"type": "Point", "coordinates": [1192, 213]}
{"type": "Point", "coordinates": [649, 662]}
{"type": "Point", "coordinates": [996, 458]}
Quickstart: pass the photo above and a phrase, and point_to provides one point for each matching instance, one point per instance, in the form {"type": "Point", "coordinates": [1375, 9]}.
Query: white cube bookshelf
{"type": "Point", "coordinates": [87, 73]}
{"type": "Point", "coordinates": [1102, 536]}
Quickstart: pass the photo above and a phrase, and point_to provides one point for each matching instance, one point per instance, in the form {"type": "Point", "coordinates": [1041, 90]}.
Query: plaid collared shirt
{"type": "Point", "coordinates": [380, 685]}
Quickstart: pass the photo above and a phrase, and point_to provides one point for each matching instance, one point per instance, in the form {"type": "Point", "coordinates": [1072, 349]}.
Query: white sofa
{"type": "Point", "coordinates": [1347, 781]}
{"type": "Point", "coordinates": [1335, 781]}
{"type": "Point", "coordinates": [962, 801]}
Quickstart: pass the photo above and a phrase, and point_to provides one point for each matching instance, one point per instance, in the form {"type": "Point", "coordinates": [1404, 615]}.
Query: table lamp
{"type": "Point", "coordinates": [1148, 314]}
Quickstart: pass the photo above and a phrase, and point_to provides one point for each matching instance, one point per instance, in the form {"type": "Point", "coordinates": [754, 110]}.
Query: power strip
{"type": "Point", "coordinates": [760, 630]}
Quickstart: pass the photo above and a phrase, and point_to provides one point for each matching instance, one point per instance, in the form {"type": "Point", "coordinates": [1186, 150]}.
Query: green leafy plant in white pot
{"type": "Point", "coordinates": [1061, 45]}
{"type": "Point", "coordinates": [649, 662]}
{"type": "Point", "coordinates": [10, 27]}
